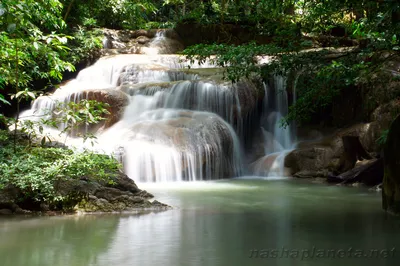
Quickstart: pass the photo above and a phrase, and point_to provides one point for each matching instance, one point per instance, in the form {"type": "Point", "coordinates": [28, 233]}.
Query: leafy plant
{"type": "Point", "coordinates": [72, 116]}
{"type": "Point", "coordinates": [85, 44]}
{"type": "Point", "coordinates": [383, 137]}
{"type": "Point", "coordinates": [37, 172]}
{"type": "Point", "coordinates": [71, 119]}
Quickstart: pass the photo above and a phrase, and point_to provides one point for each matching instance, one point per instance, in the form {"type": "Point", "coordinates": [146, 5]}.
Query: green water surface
{"type": "Point", "coordinates": [232, 222]}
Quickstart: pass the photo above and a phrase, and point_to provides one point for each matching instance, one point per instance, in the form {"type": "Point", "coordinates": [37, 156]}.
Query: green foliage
{"type": "Point", "coordinates": [319, 79]}
{"type": "Point", "coordinates": [383, 137]}
{"type": "Point", "coordinates": [132, 14]}
{"type": "Point", "coordinates": [71, 119]}
{"type": "Point", "coordinates": [84, 45]}
{"type": "Point", "coordinates": [91, 166]}
{"type": "Point", "coordinates": [320, 74]}
{"type": "Point", "coordinates": [36, 171]}
{"type": "Point", "coordinates": [158, 25]}
{"type": "Point", "coordinates": [240, 61]}
{"type": "Point", "coordinates": [75, 115]}
{"type": "Point", "coordinates": [3, 100]}
{"type": "Point", "coordinates": [30, 47]}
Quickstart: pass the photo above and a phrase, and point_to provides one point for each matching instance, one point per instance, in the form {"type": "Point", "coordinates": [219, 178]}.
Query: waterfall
{"type": "Point", "coordinates": [275, 107]}
{"type": "Point", "coordinates": [170, 125]}
{"type": "Point", "coordinates": [278, 140]}
{"type": "Point", "coordinates": [171, 120]}
{"type": "Point", "coordinates": [179, 145]}
{"type": "Point", "coordinates": [161, 44]}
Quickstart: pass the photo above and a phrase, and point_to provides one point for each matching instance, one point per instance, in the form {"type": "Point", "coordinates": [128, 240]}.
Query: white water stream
{"type": "Point", "coordinates": [169, 123]}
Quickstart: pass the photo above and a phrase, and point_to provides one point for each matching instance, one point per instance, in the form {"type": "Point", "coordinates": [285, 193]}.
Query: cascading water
{"type": "Point", "coordinates": [177, 145]}
{"type": "Point", "coordinates": [278, 140]}
{"type": "Point", "coordinates": [275, 108]}
{"type": "Point", "coordinates": [161, 44]}
{"type": "Point", "coordinates": [170, 123]}
{"type": "Point", "coordinates": [175, 126]}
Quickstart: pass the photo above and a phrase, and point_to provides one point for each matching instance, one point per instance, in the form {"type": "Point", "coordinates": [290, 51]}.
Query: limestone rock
{"type": "Point", "coordinates": [318, 158]}
{"type": "Point", "coordinates": [111, 193]}
{"type": "Point", "coordinates": [256, 148]}
{"type": "Point", "coordinates": [124, 183]}
{"type": "Point", "coordinates": [116, 99]}
{"type": "Point", "coordinates": [98, 196]}
{"type": "Point", "coordinates": [139, 33]}
{"type": "Point", "coordinates": [369, 173]}
{"type": "Point", "coordinates": [381, 119]}
{"type": "Point", "coordinates": [312, 161]}
{"type": "Point", "coordinates": [94, 204]}
{"type": "Point", "coordinates": [142, 40]}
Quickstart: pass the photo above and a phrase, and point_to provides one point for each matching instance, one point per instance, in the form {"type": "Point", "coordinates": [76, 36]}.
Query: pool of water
{"type": "Point", "coordinates": [230, 222]}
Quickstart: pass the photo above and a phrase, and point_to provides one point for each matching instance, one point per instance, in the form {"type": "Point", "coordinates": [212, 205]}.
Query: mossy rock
{"type": "Point", "coordinates": [391, 180]}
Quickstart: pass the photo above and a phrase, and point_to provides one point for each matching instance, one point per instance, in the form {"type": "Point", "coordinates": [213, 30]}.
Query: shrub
{"type": "Point", "coordinates": [35, 171]}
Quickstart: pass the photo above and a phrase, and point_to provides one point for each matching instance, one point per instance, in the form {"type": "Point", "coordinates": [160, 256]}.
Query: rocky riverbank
{"type": "Point", "coordinates": [84, 195]}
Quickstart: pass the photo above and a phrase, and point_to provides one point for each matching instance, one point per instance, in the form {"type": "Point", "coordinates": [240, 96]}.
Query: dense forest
{"type": "Point", "coordinates": [41, 42]}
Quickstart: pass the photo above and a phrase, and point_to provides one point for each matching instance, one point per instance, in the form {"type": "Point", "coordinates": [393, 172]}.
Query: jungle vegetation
{"type": "Point", "coordinates": [40, 41]}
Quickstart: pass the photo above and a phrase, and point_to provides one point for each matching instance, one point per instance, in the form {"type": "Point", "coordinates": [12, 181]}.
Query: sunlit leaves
{"type": "Point", "coordinates": [23, 42]}
{"type": "Point", "coordinates": [37, 171]}
{"type": "Point", "coordinates": [3, 100]}
{"type": "Point", "coordinates": [240, 61]}
{"type": "Point", "coordinates": [26, 93]}
{"type": "Point", "coordinates": [75, 115]}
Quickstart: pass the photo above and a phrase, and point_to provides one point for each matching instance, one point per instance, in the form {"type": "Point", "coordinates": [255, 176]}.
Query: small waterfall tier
{"type": "Point", "coordinates": [177, 145]}
{"type": "Point", "coordinates": [277, 140]}
{"type": "Point", "coordinates": [169, 123]}
{"type": "Point", "coordinates": [169, 120]}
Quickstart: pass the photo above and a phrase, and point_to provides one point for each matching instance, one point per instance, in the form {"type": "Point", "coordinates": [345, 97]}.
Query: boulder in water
{"type": "Point", "coordinates": [367, 172]}
{"type": "Point", "coordinates": [142, 40]}
{"type": "Point", "coordinates": [312, 161]}
{"type": "Point", "coordinates": [270, 165]}
{"type": "Point", "coordinates": [179, 145]}
{"type": "Point", "coordinates": [116, 99]}
{"type": "Point", "coordinates": [319, 158]}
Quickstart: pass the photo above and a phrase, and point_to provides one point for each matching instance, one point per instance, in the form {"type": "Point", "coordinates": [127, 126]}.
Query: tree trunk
{"type": "Point", "coordinates": [391, 179]}
{"type": "Point", "coordinates": [223, 5]}
{"type": "Point", "coordinates": [68, 10]}
{"type": "Point", "coordinates": [289, 9]}
{"type": "Point", "coordinates": [395, 16]}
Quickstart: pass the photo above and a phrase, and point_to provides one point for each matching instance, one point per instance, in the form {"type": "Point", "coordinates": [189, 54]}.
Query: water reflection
{"type": "Point", "coordinates": [217, 223]}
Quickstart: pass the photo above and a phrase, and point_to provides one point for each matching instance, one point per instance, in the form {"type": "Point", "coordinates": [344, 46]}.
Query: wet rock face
{"type": "Point", "coordinates": [236, 103]}
{"type": "Point", "coordinates": [391, 180]}
{"type": "Point", "coordinates": [98, 196]}
{"type": "Point", "coordinates": [381, 119]}
{"type": "Point", "coordinates": [318, 158]}
{"type": "Point", "coordinates": [122, 195]}
{"type": "Point", "coordinates": [171, 145]}
{"type": "Point", "coordinates": [117, 100]}
{"type": "Point", "coordinates": [313, 161]}
{"type": "Point", "coordinates": [141, 42]}
{"type": "Point", "coordinates": [256, 150]}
